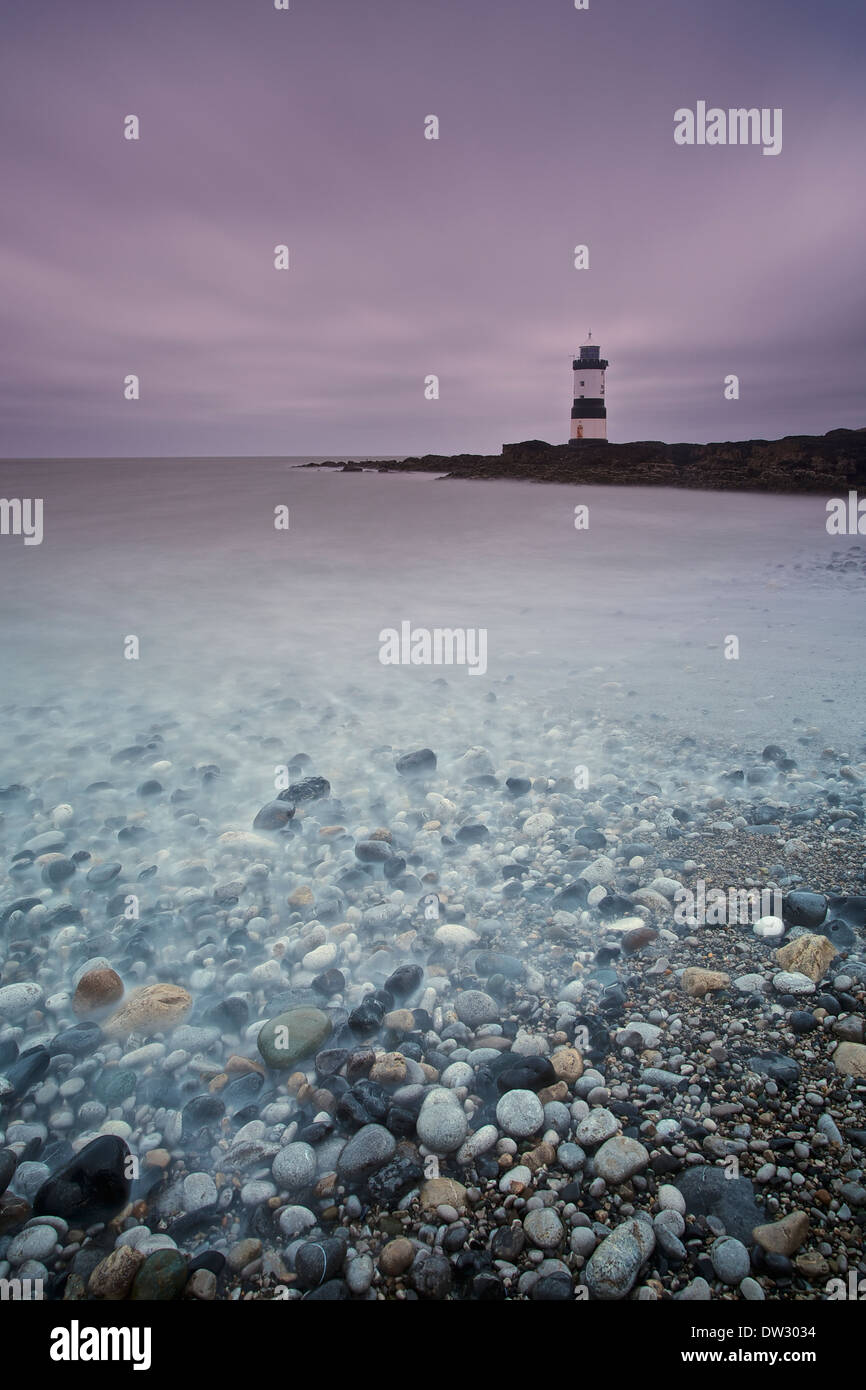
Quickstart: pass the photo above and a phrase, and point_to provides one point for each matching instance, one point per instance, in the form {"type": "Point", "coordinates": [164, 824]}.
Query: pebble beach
{"type": "Point", "coordinates": [332, 989]}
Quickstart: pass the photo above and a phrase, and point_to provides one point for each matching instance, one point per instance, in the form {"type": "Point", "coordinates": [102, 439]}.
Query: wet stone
{"type": "Point", "coordinates": [525, 1074]}
{"type": "Point", "coordinates": [296, 1033]}
{"type": "Point", "coordinates": [329, 983]}
{"type": "Point", "coordinates": [316, 1262]}
{"type": "Point", "coordinates": [373, 851]}
{"type": "Point", "coordinates": [775, 1066]}
{"type": "Point", "coordinates": [93, 1186]}
{"type": "Point", "coordinates": [417, 763]}
{"type": "Point", "coordinates": [201, 1112]}
{"type": "Point", "coordinates": [367, 1018]}
{"type": "Point", "coordinates": [161, 1278]}
{"type": "Point", "coordinates": [804, 909]}
{"type": "Point", "coordinates": [309, 789]}
{"type": "Point", "coordinates": [27, 1070]}
{"type": "Point", "coordinates": [708, 1191]}
{"type": "Point", "coordinates": [367, 1151]}
{"type": "Point", "coordinates": [274, 816]}
{"type": "Point", "coordinates": [432, 1277]}
{"type": "Point", "coordinates": [115, 1085]}
{"type": "Point", "coordinates": [394, 1179]}
{"type": "Point", "coordinates": [230, 1015]}
{"type": "Point", "coordinates": [8, 1162]}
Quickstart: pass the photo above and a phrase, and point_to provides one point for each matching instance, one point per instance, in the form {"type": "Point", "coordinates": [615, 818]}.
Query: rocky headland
{"type": "Point", "coordinates": [825, 463]}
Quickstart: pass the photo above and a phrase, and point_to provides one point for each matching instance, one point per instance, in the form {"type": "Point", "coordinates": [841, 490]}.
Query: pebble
{"type": "Point", "coordinates": [396, 1257]}
{"type": "Point", "coordinates": [17, 1000]}
{"type": "Point", "coordinates": [291, 1035]}
{"type": "Point", "coordinates": [369, 1149]}
{"type": "Point", "coordinates": [792, 982]}
{"type": "Point", "coordinates": [34, 1243]}
{"type": "Point", "coordinates": [597, 1127]}
{"type": "Point", "coordinates": [199, 1191]}
{"type": "Point", "coordinates": [359, 1274]}
{"type": "Point", "coordinates": [730, 1260]}
{"type": "Point", "coordinates": [475, 1008]}
{"type": "Point", "coordinates": [783, 1237]}
{"type": "Point", "coordinates": [149, 1009]}
{"type": "Point", "coordinates": [442, 1125]}
{"type": "Point", "coordinates": [619, 1159]}
{"type": "Point", "coordinates": [544, 1229]}
{"type": "Point", "coordinates": [520, 1114]}
{"type": "Point", "coordinates": [613, 1267]}
{"type": "Point", "coordinates": [160, 1278]}
{"type": "Point", "coordinates": [113, 1277]}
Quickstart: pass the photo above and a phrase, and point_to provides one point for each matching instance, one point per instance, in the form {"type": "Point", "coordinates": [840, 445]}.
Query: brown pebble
{"type": "Point", "coordinates": [637, 938]}
{"type": "Point", "coordinates": [396, 1256]}
{"type": "Point", "coordinates": [242, 1066]}
{"type": "Point", "coordinates": [437, 1192]}
{"type": "Point", "coordinates": [568, 1064]}
{"type": "Point", "coordinates": [157, 1158]}
{"type": "Point", "coordinates": [542, 1156]}
{"type": "Point", "coordinates": [557, 1092]}
{"type": "Point", "coordinates": [400, 1021]}
{"type": "Point", "coordinates": [301, 897]}
{"type": "Point", "coordinates": [151, 1009]}
{"type": "Point", "coordinates": [96, 990]}
{"type": "Point", "coordinates": [390, 1069]}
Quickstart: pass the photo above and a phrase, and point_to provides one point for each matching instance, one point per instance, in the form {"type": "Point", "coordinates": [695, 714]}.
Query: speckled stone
{"type": "Point", "coordinates": [151, 1009]}
{"type": "Point", "coordinates": [112, 1278]}
{"type": "Point", "coordinates": [544, 1229]}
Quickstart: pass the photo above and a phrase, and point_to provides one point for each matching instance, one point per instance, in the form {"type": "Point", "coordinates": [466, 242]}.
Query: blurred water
{"type": "Point", "coordinates": [184, 554]}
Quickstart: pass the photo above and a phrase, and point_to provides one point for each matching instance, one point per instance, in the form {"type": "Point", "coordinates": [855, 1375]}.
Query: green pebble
{"type": "Point", "coordinates": [161, 1278]}
{"type": "Point", "coordinates": [294, 1034]}
{"type": "Point", "coordinates": [114, 1087]}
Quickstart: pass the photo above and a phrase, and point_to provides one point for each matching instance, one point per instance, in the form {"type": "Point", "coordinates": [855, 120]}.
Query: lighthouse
{"type": "Point", "coordinates": [588, 414]}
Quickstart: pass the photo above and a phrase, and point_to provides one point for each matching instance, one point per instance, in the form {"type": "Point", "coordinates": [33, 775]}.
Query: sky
{"type": "Point", "coordinates": [411, 257]}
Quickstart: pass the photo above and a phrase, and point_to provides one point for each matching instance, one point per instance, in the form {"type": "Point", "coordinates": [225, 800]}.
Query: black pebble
{"type": "Point", "coordinates": [93, 1186]}
{"type": "Point", "coordinates": [200, 1111]}
{"type": "Point", "coordinates": [214, 1260]}
{"type": "Point", "coordinates": [8, 1164]}
{"type": "Point", "coordinates": [333, 1292]}
{"type": "Point", "coordinates": [405, 980]}
{"type": "Point", "coordinates": [553, 1288]}
{"type": "Point", "coordinates": [526, 1074]}
{"type": "Point", "coordinates": [27, 1070]}
{"type": "Point", "coordinates": [417, 763]}
{"type": "Point", "coordinates": [366, 1019]}
{"type": "Point", "coordinates": [79, 1040]}
{"type": "Point", "coordinates": [318, 1262]}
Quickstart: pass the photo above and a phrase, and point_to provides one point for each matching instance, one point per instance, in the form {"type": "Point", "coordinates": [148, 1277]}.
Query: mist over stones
{"type": "Point", "coordinates": [424, 1024]}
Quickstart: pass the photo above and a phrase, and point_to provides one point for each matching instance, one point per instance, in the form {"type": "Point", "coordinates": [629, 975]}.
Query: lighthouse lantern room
{"type": "Point", "coordinates": [588, 413]}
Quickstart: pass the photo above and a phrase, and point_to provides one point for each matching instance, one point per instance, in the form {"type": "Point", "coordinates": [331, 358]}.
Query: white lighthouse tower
{"type": "Point", "coordinates": [588, 414]}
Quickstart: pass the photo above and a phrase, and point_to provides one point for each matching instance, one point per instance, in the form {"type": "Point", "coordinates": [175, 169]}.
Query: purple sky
{"type": "Point", "coordinates": [411, 256]}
